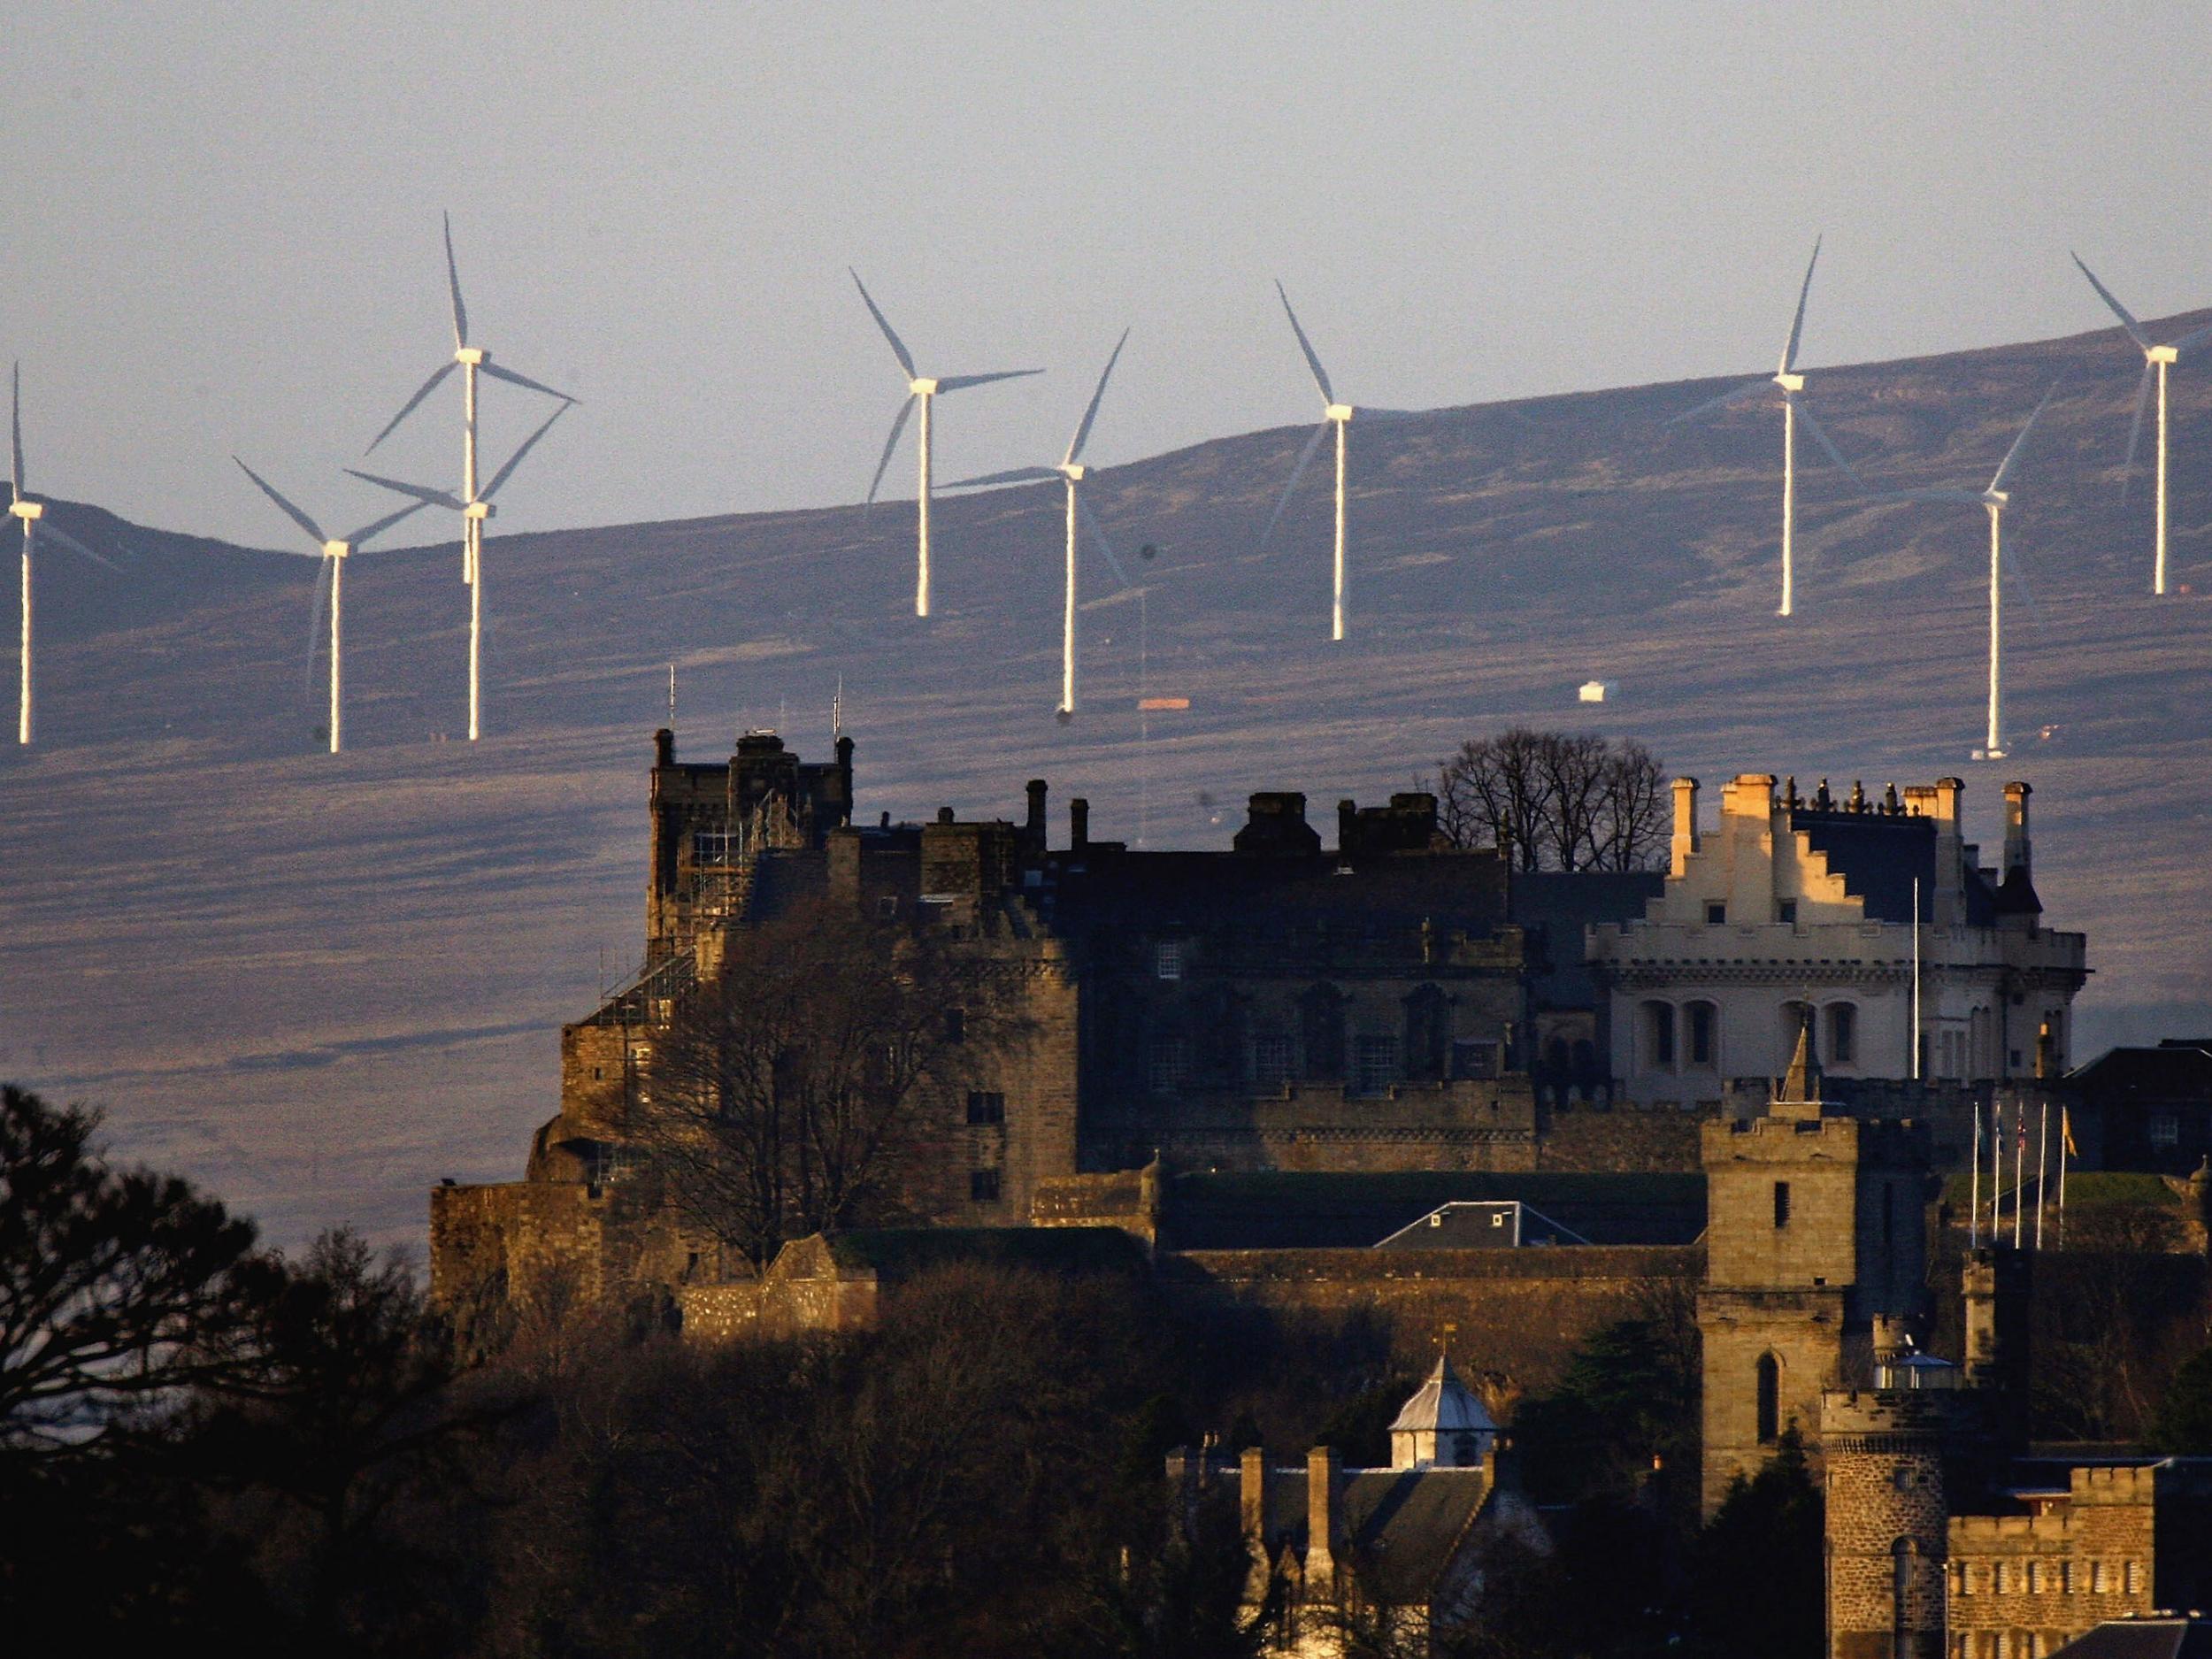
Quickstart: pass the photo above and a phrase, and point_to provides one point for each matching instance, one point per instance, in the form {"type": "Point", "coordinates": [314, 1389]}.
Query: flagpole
{"type": "Point", "coordinates": [2065, 1139]}
{"type": "Point", "coordinates": [2042, 1151]}
{"type": "Point", "coordinates": [1974, 1205]}
{"type": "Point", "coordinates": [1916, 979]}
{"type": "Point", "coordinates": [2019, 1165]}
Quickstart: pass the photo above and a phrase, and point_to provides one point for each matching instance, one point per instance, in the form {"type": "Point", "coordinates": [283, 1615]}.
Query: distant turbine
{"type": "Point", "coordinates": [33, 514]}
{"type": "Point", "coordinates": [471, 360]}
{"type": "Point", "coordinates": [1792, 384]}
{"type": "Point", "coordinates": [1993, 499]}
{"type": "Point", "coordinates": [1070, 472]}
{"type": "Point", "coordinates": [332, 575]}
{"type": "Point", "coordinates": [2158, 359]}
{"type": "Point", "coordinates": [474, 509]}
{"type": "Point", "coordinates": [1333, 414]}
{"type": "Point", "coordinates": [919, 389]}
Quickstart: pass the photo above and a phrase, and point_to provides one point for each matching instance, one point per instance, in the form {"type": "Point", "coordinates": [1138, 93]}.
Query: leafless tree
{"type": "Point", "coordinates": [788, 1094]}
{"type": "Point", "coordinates": [1555, 801]}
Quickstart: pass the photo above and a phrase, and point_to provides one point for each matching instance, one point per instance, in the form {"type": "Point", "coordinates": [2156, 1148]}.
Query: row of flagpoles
{"type": "Point", "coordinates": [1999, 1192]}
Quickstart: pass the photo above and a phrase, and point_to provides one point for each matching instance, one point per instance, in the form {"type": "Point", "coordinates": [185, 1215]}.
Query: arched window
{"type": "Point", "coordinates": [1769, 1388]}
{"type": "Point", "coordinates": [1903, 1556]}
{"type": "Point", "coordinates": [1659, 1047]}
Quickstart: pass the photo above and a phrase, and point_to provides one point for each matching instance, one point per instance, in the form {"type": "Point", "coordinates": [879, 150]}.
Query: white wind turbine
{"type": "Point", "coordinates": [471, 361]}
{"type": "Point", "coordinates": [330, 577]}
{"type": "Point", "coordinates": [1070, 473]}
{"type": "Point", "coordinates": [33, 514]}
{"type": "Point", "coordinates": [1792, 385]}
{"type": "Point", "coordinates": [475, 510]}
{"type": "Point", "coordinates": [2158, 358]}
{"type": "Point", "coordinates": [923, 390]}
{"type": "Point", "coordinates": [1993, 500]}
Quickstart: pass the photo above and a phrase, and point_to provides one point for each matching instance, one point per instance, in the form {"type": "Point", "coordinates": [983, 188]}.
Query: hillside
{"type": "Point", "coordinates": [321, 983]}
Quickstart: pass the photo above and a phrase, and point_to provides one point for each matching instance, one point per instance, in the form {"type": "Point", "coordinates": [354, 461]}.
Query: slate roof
{"type": "Point", "coordinates": [1465, 891]}
{"type": "Point", "coordinates": [1879, 855]}
{"type": "Point", "coordinates": [1403, 1524]}
{"type": "Point", "coordinates": [1556, 906]}
{"type": "Point", "coordinates": [2142, 1638]}
{"type": "Point", "coordinates": [1286, 1210]}
{"type": "Point", "coordinates": [2174, 1071]}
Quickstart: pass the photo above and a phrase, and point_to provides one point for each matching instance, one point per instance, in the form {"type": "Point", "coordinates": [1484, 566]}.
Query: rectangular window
{"type": "Point", "coordinates": [1660, 1018]}
{"type": "Point", "coordinates": [1715, 914]}
{"type": "Point", "coordinates": [983, 1185]}
{"type": "Point", "coordinates": [2066, 1577]}
{"type": "Point", "coordinates": [2097, 1585]}
{"type": "Point", "coordinates": [2035, 1577]}
{"type": "Point", "coordinates": [2165, 1129]}
{"type": "Point", "coordinates": [2135, 1577]}
{"type": "Point", "coordinates": [1700, 1033]}
{"type": "Point", "coordinates": [1170, 1065]}
{"type": "Point", "coordinates": [1786, 912]}
{"type": "Point", "coordinates": [712, 847]}
{"type": "Point", "coordinates": [1474, 1058]}
{"type": "Point", "coordinates": [1167, 959]}
{"type": "Point", "coordinates": [1377, 1060]}
{"type": "Point", "coordinates": [986, 1106]}
{"type": "Point", "coordinates": [1781, 1204]}
{"type": "Point", "coordinates": [1271, 1061]}
{"type": "Point", "coordinates": [1842, 1033]}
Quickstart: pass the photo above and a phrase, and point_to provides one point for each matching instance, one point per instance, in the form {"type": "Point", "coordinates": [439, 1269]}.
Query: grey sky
{"type": "Point", "coordinates": [222, 221]}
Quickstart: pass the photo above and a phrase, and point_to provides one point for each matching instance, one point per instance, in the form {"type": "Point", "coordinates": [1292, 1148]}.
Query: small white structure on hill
{"type": "Point", "coordinates": [1600, 690]}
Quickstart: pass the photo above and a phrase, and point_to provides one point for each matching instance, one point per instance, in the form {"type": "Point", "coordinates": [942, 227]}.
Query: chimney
{"type": "Point", "coordinates": [1950, 853]}
{"type": "Point", "coordinates": [1252, 1494]}
{"type": "Point", "coordinates": [1685, 822]}
{"type": "Point", "coordinates": [1034, 831]}
{"type": "Point", "coordinates": [664, 748]}
{"type": "Point", "coordinates": [845, 775]}
{"type": "Point", "coordinates": [2017, 853]}
{"type": "Point", "coordinates": [1751, 796]}
{"type": "Point", "coordinates": [1324, 1480]}
{"type": "Point", "coordinates": [1079, 824]}
{"type": "Point", "coordinates": [1347, 826]}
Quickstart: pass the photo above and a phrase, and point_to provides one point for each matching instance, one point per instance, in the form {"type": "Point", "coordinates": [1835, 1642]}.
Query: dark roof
{"type": "Point", "coordinates": [1465, 891]}
{"type": "Point", "coordinates": [1285, 1211]}
{"type": "Point", "coordinates": [2168, 1072]}
{"type": "Point", "coordinates": [2188, 1638]}
{"type": "Point", "coordinates": [1556, 905]}
{"type": "Point", "coordinates": [902, 1252]}
{"type": "Point", "coordinates": [1483, 1224]}
{"type": "Point", "coordinates": [1403, 1524]}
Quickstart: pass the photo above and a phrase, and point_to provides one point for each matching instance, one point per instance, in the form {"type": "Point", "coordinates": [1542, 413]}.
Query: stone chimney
{"type": "Point", "coordinates": [1034, 828]}
{"type": "Point", "coordinates": [1252, 1496]}
{"type": "Point", "coordinates": [1684, 823]}
{"type": "Point", "coordinates": [1079, 824]}
{"type": "Point", "coordinates": [2017, 852]}
{"type": "Point", "coordinates": [1950, 853]}
{"type": "Point", "coordinates": [1275, 822]}
{"type": "Point", "coordinates": [1324, 1520]}
{"type": "Point", "coordinates": [664, 748]}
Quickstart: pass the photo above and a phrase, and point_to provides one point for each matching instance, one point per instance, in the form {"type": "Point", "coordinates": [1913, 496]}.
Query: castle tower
{"type": "Point", "coordinates": [1813, 1234]}
{"type": "Point", "coordinates": [1888, 1535]}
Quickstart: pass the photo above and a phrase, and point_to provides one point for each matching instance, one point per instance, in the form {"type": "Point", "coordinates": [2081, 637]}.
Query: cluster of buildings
{"type": "Point", "coordinates": [1369, 1068]}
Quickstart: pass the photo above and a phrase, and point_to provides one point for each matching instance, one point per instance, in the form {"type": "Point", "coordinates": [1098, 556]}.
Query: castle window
{"type": "Point", "coordinates": [1377, 1064]}
{"type": "Point", "coordinates": [1786, 912]}
{"type": "Point", "coordinates": [887, 908]}
{"type": "Point", "coordinates": [2000, 1579]}
{"type": "Point", "coordinates": [1167, 959]}
{"type": "Point", "coordinates": [1271, 1061]}
{"type": "Point", "coordinates": [2035, 1577]}
{"type": "Point", "coordinates": [2165, 1129]}
{"type": "Point", "coordinates": [1715, 914]}
{"type": "Point", "coordinates": [1958, 1579]}
{"type": "Point", "coordinates": [1703, 1018]}
{"type": "Point", "coordinates": [1901, 1478]}
{"type": "Point", "coordinates": [1842, 1033]}
{"type": "Point", "coordinates": [1168, 1064]}
{"type": "Point", "coordinates": [1768, 1371]}
{"type": "Point", "coordinates": [1781, 1204]}
{"type": "Point", "coordinates": [712, 847]}
{"type": "Point", "coordinates": [986, 1106]}
{"type": "Point", "coordinates": [983, 1185]}
{"type": "Point", "coordinates": [2066, 1582]}
{"type": "Point", "coordinates": [2097, 1585]}
{"type": "Point", "coordinates": [2135, 1577]}
{"type": "Point", "coordinates": [956, 1024]}
{"type": "Point", "coordinates": [1474, 1058]}
{"type": "Point", "coordinates": [1659, 1035]}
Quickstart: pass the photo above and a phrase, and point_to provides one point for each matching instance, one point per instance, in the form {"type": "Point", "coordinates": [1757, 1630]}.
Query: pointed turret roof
{"type": "Point", "coordinates": [1443, 1405]}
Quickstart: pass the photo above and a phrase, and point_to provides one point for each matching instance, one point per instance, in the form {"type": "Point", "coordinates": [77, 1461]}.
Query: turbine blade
{"type": "Point", "coordinates": [453, 282]}
{"type": "Point", "coordinates": [1083, 431]}
{"type": "Point", "coordinates": [2135, 426]}
{"type": "Point", "coordinates": [1963, 497]}
{"type": "Point", "coordinates": [1320, 375]}
{"type": "Point", "coordinates": [15, 430]}
{"type": "Point", "coordinates": [1098, 536]}
{"type": "Point", "coordinates": [2127, 320]}
{"type": "Point", "coordinates": [512, 378]}
{"type": "Point", "coordinates": [286, 507]}
{"type": "Point", "coordinates": [898, 345]}
{"type": "Point", "coordinates": [898, 424]}
{"type": "Point", "coordinates": [515, 460]}
{"type": "Point", "coordinates": [961, 382]}
{"type": "Point", "coordinates": [1305, 459]}
{"type": "Point", "coordinates": [1820, 434]}
{"type": "Point", "coordinates": [1797, 327]}
{"type": "Point", "coordinates": [432, 498]}
{"type": "Point", "coordinates": [46, 528]}
{"type": "Point", "coordinates": [1740, 395]}
{"type": "Point", "coordinates": [2194, 338]}
{"type": "Point", "coordinates": [2012, 456]}
{"type": "Point", "coordinates": [2016, 574]}
{"type": "Point", "coordinates": [427, 386]}
{"type": "Point", "coordinates": [1017, 475]}
{"type": "Point", "coordinates": [368, 532]}
{"type": "Point", "coordinates": [317, 607]}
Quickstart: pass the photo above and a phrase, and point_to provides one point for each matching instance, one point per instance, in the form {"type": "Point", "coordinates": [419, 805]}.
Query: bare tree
{"type": "Point", "coordinates": [1555, 801]}
{"type": "Point", "coordinates": [786, 1095]}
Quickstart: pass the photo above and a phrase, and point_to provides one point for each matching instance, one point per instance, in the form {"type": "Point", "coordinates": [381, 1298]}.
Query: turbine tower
{"type": "Point", "coordinates": [471, 361]}
{"type": "Point", "coordinates": [331, 576]}
{"type": "Point", "coordinates": [921, 389]}
{"type": "Point", "coordinates": [1993, 499]}
{"type": "Point", "coordinates": [474, 509]}
{"type": "Point", "coordinates": [1791, 385]}
{"type": "Point", "coordinates": [32, 513]}
{"type": "Point", "coordinates": [2158, 358]}
{"type": "Point", "coordinates": [1070, 473]}
{"type": "Point", "coordinates": [1335, 415]}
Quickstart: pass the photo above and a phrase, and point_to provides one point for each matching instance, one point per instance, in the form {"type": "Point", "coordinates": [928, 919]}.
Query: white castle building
{"type": "Point", "coordinates": [1810, 906]}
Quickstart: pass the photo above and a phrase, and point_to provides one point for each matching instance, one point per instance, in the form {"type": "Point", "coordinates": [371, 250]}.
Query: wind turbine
{"type": "Point", "coordinates": [332, 576]}
{"type": "Point", "coordinates": [33, 514]}
{"type": "Point", "coordinates": [1792, 385]}
{"type": "Point", "coordinates": [475, 508]}
{"type": "Point", "coordinates": [471, 361]}
{"type": "Point", "coordinates": [1333, 414]}
{"type": "Point", "coordinates": [919, 389]}
{"type": "Point", "coordinates": [1070, 472]}
{"type": "Point", "coordinates": [2158, 359]}
{"type": "Point", "coordinates": [1993, 500]}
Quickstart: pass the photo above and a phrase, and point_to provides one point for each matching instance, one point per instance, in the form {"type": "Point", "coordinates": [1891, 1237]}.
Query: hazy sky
{"type": "Point", "coordinates": [221, 229]}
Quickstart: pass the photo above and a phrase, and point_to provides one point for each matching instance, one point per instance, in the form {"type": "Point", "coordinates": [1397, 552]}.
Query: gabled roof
{"type": "Point", "coordinates": [2142, 1638]}
{"type": "Point", "coordinates": [1404, 1525]}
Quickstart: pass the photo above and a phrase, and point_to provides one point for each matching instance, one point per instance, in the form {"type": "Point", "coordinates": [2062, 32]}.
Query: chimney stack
{"type": "Point", "coordinates": [1252, 1494]}
{"type": "Point", "coordinates": [2017, 852]}
{"type": "Point", "coordinates": [1079, 824]}
{"type": "Point", "coordinates": [1325, 1482]}
{"type": "Point", "coordinates": [1950, 853]}
{"type": "Point", "coordinates": [1034, 831]}
{"type": "Point", "coordinates": [1685, 822]}
{"type": "Point", "coordinates": [664, 748]}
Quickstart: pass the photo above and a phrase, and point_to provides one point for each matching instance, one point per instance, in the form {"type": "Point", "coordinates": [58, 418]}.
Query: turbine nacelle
{"type": "Point", "coordinates": [2164, 354]}
{"type": "Point", "coordinates": [474, 356]}
{"type": "Point", "coordinates": [1338, 412]}
{"type": "Point", "coordinates": [27, 510]}
{"type": "Point", "coordinates": [921, 388]}
{"type": "Point", "coordinates": [336, 550]}
{"type": "Point", "coordinates": [1073, 471]}
{"type": "Point", "coordinates": [478, 510]}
